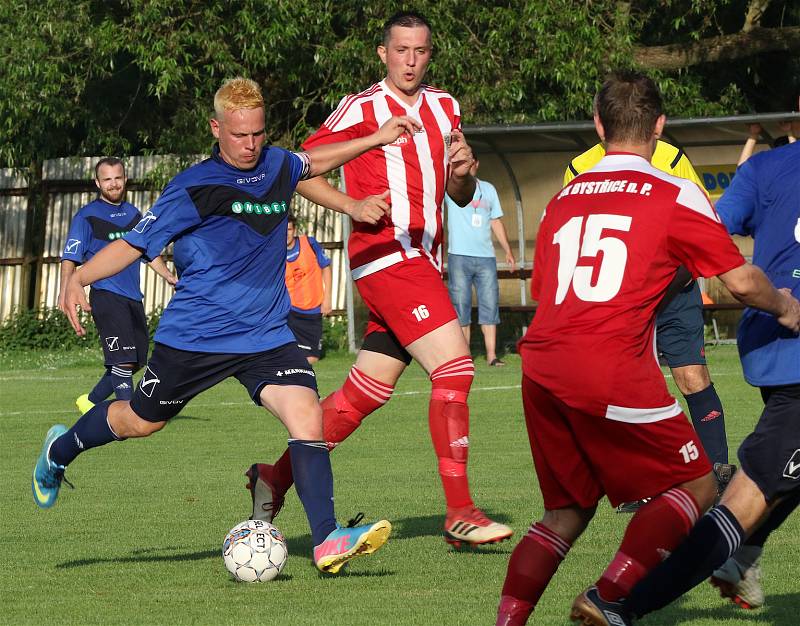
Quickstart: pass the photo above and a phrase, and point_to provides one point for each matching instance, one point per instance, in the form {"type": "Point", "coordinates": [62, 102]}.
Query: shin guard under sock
{"type": "Point", "coordinates": [342, 412]}
{"type": "Point", "coordinates": [655, 530]}
{"type": "Point", "coordinates": [714, 538]}
{"type": "Point", "coordinates": [448, 419]}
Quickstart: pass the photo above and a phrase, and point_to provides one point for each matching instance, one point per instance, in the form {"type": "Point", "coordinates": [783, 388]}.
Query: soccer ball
{"type": "Point", "coordinates": [254, 551]}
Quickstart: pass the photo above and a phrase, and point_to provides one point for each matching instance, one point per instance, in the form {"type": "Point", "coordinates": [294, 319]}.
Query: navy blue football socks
{"type": "Point", "coordinates": [103, 388]}
{"type": "Point", "coordinates": [713, 539]}
{"type": "Point", "coordinates": [313, 479]}
{"type": "Point", "coordinates": [90, 431]}
{"type": "Point", "coordinates": [122, 379]}
{"type": "Point", "coordinates": [708, 418]}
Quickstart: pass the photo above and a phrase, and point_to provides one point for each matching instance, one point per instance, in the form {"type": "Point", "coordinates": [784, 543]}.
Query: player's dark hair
{"type": "Point", "coordinates": [628, 104]}
{"type": "Point", "coordinates": [783, 140]}
{"type": "Point", "coordinates": [405, 19]}
{"type": "Point", "coordinates": [112, 161]}
{"type": "Point", "coordinates": [292, 219]}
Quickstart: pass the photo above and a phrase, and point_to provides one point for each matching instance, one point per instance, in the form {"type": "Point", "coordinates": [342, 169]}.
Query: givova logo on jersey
{"type": "Point", "coordinates": [276, 208]}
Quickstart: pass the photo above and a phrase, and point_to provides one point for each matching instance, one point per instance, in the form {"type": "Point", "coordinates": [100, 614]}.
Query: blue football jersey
{"type": "Point", "coordinates": [95, 226]}
{"type": "Point", "coordinates": [229, 230]}
{"type": "Point", "coordinates": [763, 201]}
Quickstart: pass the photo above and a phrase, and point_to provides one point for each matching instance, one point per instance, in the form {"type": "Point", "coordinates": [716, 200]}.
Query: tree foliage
{"type": "Point", "coordinates": [138, 76]}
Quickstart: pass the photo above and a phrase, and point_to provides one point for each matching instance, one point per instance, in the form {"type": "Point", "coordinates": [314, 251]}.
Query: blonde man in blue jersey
{"type": "Point", "coordinates": [680, 330]}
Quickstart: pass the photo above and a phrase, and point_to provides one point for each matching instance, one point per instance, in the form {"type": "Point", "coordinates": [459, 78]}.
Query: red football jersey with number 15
{"type": "Point", "coordinates": [608, 246]}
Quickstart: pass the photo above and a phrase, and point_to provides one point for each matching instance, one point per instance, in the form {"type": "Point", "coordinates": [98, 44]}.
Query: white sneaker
{"type": "Point", "coordinates": [742, 588]}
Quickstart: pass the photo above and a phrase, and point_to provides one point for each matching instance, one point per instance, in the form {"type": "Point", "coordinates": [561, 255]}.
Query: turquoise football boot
{"type": "Point", "coordinates": [47, 476]}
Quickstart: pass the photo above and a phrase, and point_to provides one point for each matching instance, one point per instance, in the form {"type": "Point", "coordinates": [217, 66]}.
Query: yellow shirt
{"type": "Point", "coordinates": [666, 157]}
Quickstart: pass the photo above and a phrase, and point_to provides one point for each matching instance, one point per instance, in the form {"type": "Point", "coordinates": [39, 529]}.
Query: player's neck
{"type": "Point", "coordinates": [644, 150]}
{"type": "Point", "coordinates": [408, 98]}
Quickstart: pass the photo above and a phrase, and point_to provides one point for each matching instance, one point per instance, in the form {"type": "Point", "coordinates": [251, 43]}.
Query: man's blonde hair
{"type": "Point", "coordinates": [237, 93]}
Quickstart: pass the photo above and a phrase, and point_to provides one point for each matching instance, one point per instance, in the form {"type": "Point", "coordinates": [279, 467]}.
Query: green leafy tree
{"type": "Point", "coordinates": [137, 76]}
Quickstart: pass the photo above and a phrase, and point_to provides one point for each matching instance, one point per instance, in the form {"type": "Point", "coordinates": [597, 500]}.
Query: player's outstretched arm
{"type": "Point", "coordinates": [749, 285]}
{"type": "Point", "coordinates": [461, 184]}
{"type": "Point", "coordinates": [330, 156]}
{"type": "Point", "coordinates": [370, 209]}
{"type": "Point", "coordinates": [111, 260]}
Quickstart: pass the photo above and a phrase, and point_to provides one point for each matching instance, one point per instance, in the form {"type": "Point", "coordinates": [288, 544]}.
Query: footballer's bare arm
{"type": "Point", "coordinates": [461, 184]}
{"type": "Point", "coordinates": [370, 209]}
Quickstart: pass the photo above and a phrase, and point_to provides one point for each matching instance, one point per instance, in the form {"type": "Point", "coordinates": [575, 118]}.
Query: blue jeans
{"type": "Point", "coordinates": [465, 271]}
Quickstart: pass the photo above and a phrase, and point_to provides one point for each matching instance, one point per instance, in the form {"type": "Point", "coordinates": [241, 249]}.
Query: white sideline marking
{"type": "Point", "coordinates": [249, 403]}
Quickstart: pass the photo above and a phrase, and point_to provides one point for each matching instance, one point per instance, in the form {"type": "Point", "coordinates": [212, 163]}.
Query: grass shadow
{"type": "Point", "coordinates": [143, 556]}
{"type": "Point", "coordinates": [779, 610]}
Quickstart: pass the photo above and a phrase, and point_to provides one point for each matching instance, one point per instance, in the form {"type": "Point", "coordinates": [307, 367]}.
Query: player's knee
{"type": "Point", "coordinates": [568, 523]}
{"type": "Point", "coordinates": [304, 421]}
{"type": "Point", "coordinates": [138, 427]}
{"type": "Point", "coordinates": [704, 490]}
{"type": "Point", "coordinates": [691, 378]}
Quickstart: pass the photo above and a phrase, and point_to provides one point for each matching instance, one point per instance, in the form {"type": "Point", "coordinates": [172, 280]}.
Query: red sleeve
{"type": "Point", "coordinates": [697, 238]}
{"type": "Point", "coordinates": [325, 136]}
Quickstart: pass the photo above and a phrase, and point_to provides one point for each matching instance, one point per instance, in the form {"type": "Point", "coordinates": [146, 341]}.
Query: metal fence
{"type": "Point", "coordinates": [35, 218]}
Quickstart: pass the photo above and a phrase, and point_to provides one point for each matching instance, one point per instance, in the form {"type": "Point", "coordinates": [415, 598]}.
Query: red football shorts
{"type": "Point", "coordinates": [408, 299]}
{"type": "Point", "coordinates": [579, 457]}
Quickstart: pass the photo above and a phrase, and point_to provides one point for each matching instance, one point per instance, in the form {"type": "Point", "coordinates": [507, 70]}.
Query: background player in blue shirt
{"type": "Point", "coordinates": [227, 219]}
{"type": "Point", "coordinates": [763, 201]}
{"type": "Point", "coordinates": [117, 307]}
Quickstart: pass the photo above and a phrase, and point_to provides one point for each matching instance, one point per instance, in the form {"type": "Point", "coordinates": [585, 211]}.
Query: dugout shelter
{"type": "Point", "coordinates": [526, 163]}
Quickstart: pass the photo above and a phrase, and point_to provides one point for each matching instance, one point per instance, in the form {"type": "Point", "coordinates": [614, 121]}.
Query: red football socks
{"type": "Point", "coordinates": [655, 530]}
{"type": "Point", "coordinates": [448, 419]}
{"type": "Point", "coordinates": [342, 412]}
{"type": "Point", "coordinates": [533, 563]}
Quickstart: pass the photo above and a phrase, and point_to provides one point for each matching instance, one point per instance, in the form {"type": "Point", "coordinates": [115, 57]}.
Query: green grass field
{"type": "Point", "coordinates": [138, 540]}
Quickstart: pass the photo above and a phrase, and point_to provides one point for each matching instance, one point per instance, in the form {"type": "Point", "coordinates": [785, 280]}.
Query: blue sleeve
{"type": "Point", "coordinates": [737, 206]}
{"type": "Point", "coordinates": [322, 258]}
{"type": "Point", "coordinates": [172, 214]}
{"type": "Point", "coordinates": [493, 200]}
{"type": "Point", "coordinates": [78, 240]}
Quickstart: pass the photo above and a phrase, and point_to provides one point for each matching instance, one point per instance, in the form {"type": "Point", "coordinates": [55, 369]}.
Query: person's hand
{"type": "Point", "coordinates": [511, 261]}
{"type": "Point", "coordinates": [326, 307]}
{"type": "Point", "coordinates": [75, 299]}
{"type": "Point", "coordinates": [754, 130]}
{"type": "Point", "coordinates": [396, 126]}
{"type": "Point", "coordinates": [790, 318]}
{"type": "Point", "coordinates": [61, 301]}
{"type": "Point", "coordinates": [370, 209]}
{"type": "Point", "coordinates": [460, 154]}
{"type": "Point", "coordinates": [171, 279]}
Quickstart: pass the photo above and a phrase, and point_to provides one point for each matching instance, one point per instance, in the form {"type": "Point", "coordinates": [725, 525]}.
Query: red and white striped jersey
{"type": "Point", "coordinates": [415, 171]}
{"type": "Point", "coordinates": [608, 246]}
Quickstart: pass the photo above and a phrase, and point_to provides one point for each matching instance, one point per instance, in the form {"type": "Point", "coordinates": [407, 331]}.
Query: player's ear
{"type": "Point", "coordinates": [382, 53]}
{"type": "Point", "coordinates": [598, 127]}
{"type": "Point", "coordinates": [214, 124]}
{"type": "Point", "coordinates": [659, 129]}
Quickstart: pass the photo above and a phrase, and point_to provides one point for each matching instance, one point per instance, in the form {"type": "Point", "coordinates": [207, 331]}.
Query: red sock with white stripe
{"type": "Point", "coordinates": [653, 533]}
{"type": "Point", "coordinates": [448, 420]}
{"type": "Point", "coordinates": [533, 563]}
{"type": "Point", "coordinates": [342, 412]}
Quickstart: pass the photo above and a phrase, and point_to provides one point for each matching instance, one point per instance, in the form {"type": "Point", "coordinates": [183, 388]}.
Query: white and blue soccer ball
{"type": "Point", "coordinates": [254, 551]}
